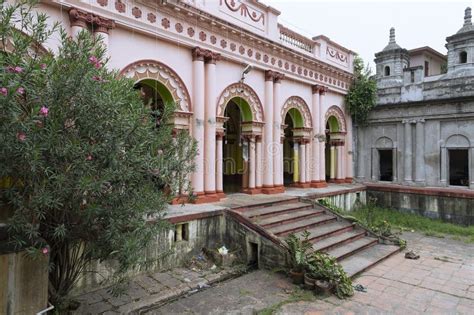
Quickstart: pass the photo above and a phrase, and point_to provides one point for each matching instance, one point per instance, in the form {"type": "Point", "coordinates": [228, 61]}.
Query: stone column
{"type": "Point", "coordinates": [333, 163]}
{"type": "Point", "coordinates": [394, 164]}
{"type": "Point", "coordinates": [252, 162]}
{"type": "Point", "coordinates": [302, 156]}
{"type": "Point", "coordinates": [360, 156]}
{"type": "Point", "coordinates": [198, 121]}
{"type": "Point", "coordinates": [471, 167]}
{"type": "Point", "coordinates": [420, 152]}
{"type": "Point", "coordinates": [210, 126]}
{"type": "Point", "coordinates": [322, 131]}
{"type": "Point", "coordinates": [407, 165]}
{"type": "Point", "coordinates": [258, 158]}
{"type": "Point", "coordinates": [219, 161]}
{"type": "Point", "coordinates": [444, 166]}
{"type": "Point", "coordinates": [308, 163]}
{"type": "Point", "coordinates": [101, 27]}
{"type": "Point", "coordinates": [315, 143]}
{"type": "Point", "coordinates": [375, 165]}
{"type": "Point", "coordinates": [268, 151]}
{"type": "Point", "coordinates": [340, 163]}
{"type": "Point", "coordinates": [296, 160]}
{"type": "Point", "coordinates": [278, 149]}
{"type": "Point", "coordinates": [79, 21]}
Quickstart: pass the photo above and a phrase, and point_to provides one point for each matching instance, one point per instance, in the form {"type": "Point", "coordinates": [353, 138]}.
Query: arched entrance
{"type": "Point", "coordinates": [236, 146]}
{"type": "Point", "coordinates": [155, 96]}
{"type": "Point", "coordinates": [335, 145]}
{"type": "Point", "coordinates": [238, 140]}
{"type": "Point", "coordinates": [296, 139]}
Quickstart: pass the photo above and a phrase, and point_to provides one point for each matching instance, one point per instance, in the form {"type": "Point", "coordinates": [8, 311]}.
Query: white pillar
{"type": "Point", "coordinates": [104, 35]}
{"type": "Point", "coordinates": [198, 121]}
{"type": "Point", "coordinates": [444, 166]}
{"type": "Point", "coordinates": [333, 162]}
{"type": "Point", "coordinates": [420, 152]}
{"type": "Point", "coordinates": [302, 156]}
{"type": "Point", "coordinates": [210, 126]}
{"type": "Point", "coordinates": [258, 158]}
{"type": "Point", "coordinates": [308, 163]}
{"type": "Point", "coordinates": [315, 143]}
{"type": "Point", "coordinates": [340, 162]}
{"type": "Point", "coordinates": [322, 131]}
{"type": "Point", "coordinates": [408, 149]}
{"type": "Point", "coordinates": [268, 134]}
{"type": "Point", "coordinates": [252, 162]}
{"type": "Point", "coordinates": [296, 162]}
{"type": "Point", "coordinates": [278, 152]}
{"type": "Point", "coordinates": [219, 160]}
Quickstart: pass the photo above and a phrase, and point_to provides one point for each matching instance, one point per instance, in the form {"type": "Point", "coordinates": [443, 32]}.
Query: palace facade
{"type": "Point", "coordinates": [264, 103]}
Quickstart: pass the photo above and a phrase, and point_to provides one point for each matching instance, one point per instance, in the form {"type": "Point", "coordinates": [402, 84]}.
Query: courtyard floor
{"type": "Point", "coordinates": [440, 282]}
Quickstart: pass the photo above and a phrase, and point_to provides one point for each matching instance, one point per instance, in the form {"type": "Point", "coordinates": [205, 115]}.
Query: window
{"type": "Point", "coordinates": [386, 165]}
{"type": "Point", "coordinates": [412, 76]}
{"type": "Point", "coordinates": [181, 232]}
{"type": "Point", "coordinates": [387, 71]}
{"type": "Point", "coordinates": [459, 167]}
{"type": "Point", "coordinates": [427, 68]}
{"type": "Point", "coordinates": [463, 57]}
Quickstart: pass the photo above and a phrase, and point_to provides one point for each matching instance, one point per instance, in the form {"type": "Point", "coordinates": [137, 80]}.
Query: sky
{"type": "Point", "coordinates": [363, 26]}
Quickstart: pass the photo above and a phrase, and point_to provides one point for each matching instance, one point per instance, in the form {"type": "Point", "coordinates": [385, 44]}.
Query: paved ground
{"type": "Point", "coordinates": [440, 282]}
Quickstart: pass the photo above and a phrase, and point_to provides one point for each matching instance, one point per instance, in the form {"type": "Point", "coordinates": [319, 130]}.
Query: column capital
{"type": "Point", "coordinates": [83, 19]}
{"type": "Point", "coordinates": [198, 54]}
{"type": "Point", "coordinates": [219, 135]}
{"type": "Point", "coordinates": [274, 76]}
{"type": "Point", "coordinates": [212, 57]}
{"type": "Point", "coordinates": [318, 88]}
{"type": "Point", "coordinates": [420, 121]}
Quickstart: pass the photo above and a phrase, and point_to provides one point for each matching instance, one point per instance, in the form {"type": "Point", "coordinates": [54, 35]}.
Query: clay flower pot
{"type": "Point", "coordinates": [309, 281]}
{"type": "Point", "coordinates": [323, 287]}
{"type": "Point", "coordinates": [297, 276]}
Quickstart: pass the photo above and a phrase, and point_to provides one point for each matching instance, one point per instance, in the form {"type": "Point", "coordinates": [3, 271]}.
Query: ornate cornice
{"type": "Point", "coordinates": [205, 55]}
{"type": "Point", "coordinates": [84, 19]}
{"type": "Point", "coordinates": [274, 76]}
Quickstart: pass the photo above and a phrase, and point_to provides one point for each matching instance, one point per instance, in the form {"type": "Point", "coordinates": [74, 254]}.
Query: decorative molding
{"type": "Point", "coordinates": [336, 112]}
{"type": "Point", "coordinates": [84, 19]}
{"type": "Point", "coordinates": [120, 6]}
{"type": "Point", "coordinates": [245, 10]}
{"type": "Point", "coordinates": [274, 76]}
{"type": "Point", "coordinates": [155, 70]}
{"type": "Point", "coordinates": [245, 92]}
{"type": "Point", "coordinates": [336, 54]}
{"type": "Point", "coordinates": [299, 104]}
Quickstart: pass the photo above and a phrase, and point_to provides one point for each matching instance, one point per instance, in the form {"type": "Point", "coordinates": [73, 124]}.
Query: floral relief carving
{"type": "Point", "coordinates": [287, 65]}
{"type": "Point", "coordinates": [305, 72]}
{"type": "Point", "coordinates": [336, 54]}
{"type": "Point", "coordinates": [178, 27]}
{"type": "Point", "coordinates": [223, 43]}
{"type": "Point", "coordinates": [233, 46]}
{"type": "Point", "coordinates": [120, 6]}
{"type": "Point", "coordinates": [151, 18]}
{"type": "Point", "coordinates": [299, 104]}
{"type": "Point", "coordinates": [280, 63]}
{"type": "Point", "coordinates": [191, 31]}
{"type": "Point", "coordinates": [202, 36]}
{"type": "Point", "coordinates": [213, 39]}
{"type": "Point", "coordinates": [103, 3]}
{"type": "Point", "coordinates": [136, 12]}
{"type": "Point", "coordinates": [293, 68]}
{"type": "Point", "coordinates": [241, 50]}
{"type": "Point", "coordinates": [247, 93]}
{"type": "Point", "coordinates": [273, 60]}
{"type": "Point", "coordinates": [245, 10]}
{"type": "Point", "coordinates": [258, 56]}
{"type": "Point", "coordinates": [250, 52]}
{"type": "Point", "coordinates": [265, 58]}
{"type": "Point", "coordinates": [150, 69]}
{"type": "Point", "coordinates": [165, 23]}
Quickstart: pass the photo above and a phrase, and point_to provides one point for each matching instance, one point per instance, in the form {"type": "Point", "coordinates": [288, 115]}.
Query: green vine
{"type": "Point", "coordinates": [362, 95]}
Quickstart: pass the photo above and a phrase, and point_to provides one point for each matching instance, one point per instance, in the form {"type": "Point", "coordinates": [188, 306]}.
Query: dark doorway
{"type": "Point", "coordinates": [233, 162]}
{"type": "Point", "coordinates": [459, 167]}
{"type": "Point", "coordinates": [288, 152]}
{"type": "Point", "coordinates": [386, 165]}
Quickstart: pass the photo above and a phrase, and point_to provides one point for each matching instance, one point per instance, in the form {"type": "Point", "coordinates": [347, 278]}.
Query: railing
{"type": "Point", "coordinates": [290, 37]}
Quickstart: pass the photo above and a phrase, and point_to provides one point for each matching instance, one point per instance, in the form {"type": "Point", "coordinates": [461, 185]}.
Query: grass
{"type": "Point", "coordinates": [296, 296]}
{"type": "Point", "coordinates": [407, 221]}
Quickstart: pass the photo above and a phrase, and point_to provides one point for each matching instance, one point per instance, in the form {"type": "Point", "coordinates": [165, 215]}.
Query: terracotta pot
{"type": "Point", "coordinates": [297, 276]}
{"type": "Point", "coordinates": [323, 287]}
{"type": "Point", "coordinates": [309, 281]}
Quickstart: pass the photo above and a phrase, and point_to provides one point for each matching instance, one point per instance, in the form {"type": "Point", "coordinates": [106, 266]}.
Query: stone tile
{"type": "Point", "coordinates": [119, 300]}
{"type": "Point", "coordinates": [149, 284]}
{"type": "Point", "coordinates": [166, 279]}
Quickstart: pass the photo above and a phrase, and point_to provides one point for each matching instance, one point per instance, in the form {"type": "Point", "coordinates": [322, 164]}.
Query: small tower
{"type": "Point", "coordinates": [461, 47]}
{"type": "Point", "coordinates": [390, 63]}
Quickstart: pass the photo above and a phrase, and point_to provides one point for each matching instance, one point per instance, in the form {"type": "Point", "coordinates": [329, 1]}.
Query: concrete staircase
{"type": "Point", "coordinates": [351, 245]}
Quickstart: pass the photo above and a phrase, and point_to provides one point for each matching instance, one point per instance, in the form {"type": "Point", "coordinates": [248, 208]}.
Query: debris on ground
{"type": "Point", "coordinates": [411, 255]}
{"type": "Point", "coordinates": [360, 288]}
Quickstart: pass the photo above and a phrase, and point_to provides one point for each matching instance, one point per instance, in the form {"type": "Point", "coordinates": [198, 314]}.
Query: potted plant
{"type": "Point", "coordinates": [298, 251]}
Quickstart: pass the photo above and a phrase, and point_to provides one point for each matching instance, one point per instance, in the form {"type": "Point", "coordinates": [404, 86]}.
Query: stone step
{"type": "Point", "coordinates": [351, 248]}
{"type": "Point", "coordinates": [287, 217]}
{"type": "Point", "coordinates": [337, 240]}
{"type": "Point", "coordinates": [367, 258]}
{"type": "Point", "coordinates": [278, 209]}
{"type": "Point", "coordinates": [327, 230]}
{"type": "Point", "coordinates": [301, 225]}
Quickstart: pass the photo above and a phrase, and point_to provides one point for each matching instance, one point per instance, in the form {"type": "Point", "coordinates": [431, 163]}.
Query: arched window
{"type": "Point", "coordinates": [463, 57]}
{"type": "Point", "coordinates": [387, 71]}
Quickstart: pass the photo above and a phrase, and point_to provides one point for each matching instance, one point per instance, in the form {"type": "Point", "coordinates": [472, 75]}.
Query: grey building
{"type": "Point", "coordinates": [421, 133]}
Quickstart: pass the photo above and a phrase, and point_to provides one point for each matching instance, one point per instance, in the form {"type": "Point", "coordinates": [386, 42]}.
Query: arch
{"type": "Point", "coordinates": [387, 71]}
{"type": "Point", "coordinates": [155, 70]}
{"type": "Point", "coordinates": [463, 57]}
{"type": "Point", "coordinates": [337, 117]}
{"type": "Point", "coordinates": [458, 141]}
{"type": "Point", "coordinates": [384, 143]}
{"type": "Point", "coordinates": [242, 93]}
{"type": "Point", "coordinates": [299, 112]}
{"type": "Point", "coordinates": [244, 107]}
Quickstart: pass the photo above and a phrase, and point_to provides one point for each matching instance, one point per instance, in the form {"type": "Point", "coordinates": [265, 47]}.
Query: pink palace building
{"type": "Point", "coordinates": [265, 104]}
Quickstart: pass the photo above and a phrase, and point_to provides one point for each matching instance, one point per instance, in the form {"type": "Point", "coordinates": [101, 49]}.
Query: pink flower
{"type": "Point", "coordinates": [20, 91]}
{"type": "Point", "coordinates": [97, 78]}
{"type": "Point", "coordinates": [4, 91]}
{"type": "Point", "coordinates": [21, 136]}
{"type": "Point", "coordinates": [45, 250]}
{"type": "Point", "coordinates": [93, 60]}
{"type": "Point", "coordinates": [89, 158]}
{"type": "Point", "coordinates": [14, 69]}
{"type": "Point", "coordinates": [43, 66]}
{"type": "Point", "coordinates": [18, 69]}
{"type": "Point", "coordinates": [44, 111]}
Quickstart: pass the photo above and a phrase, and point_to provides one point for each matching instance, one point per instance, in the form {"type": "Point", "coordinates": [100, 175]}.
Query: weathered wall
{"type": "Point", "coordinates": [450, 209]}
{"type": "Point", "coordinates": [347, 202]}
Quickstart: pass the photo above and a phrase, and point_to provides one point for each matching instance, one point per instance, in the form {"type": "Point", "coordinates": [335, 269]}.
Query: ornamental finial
{"type": "Point", "coordinates": [467, 17]}
{"type": "Point", "coordinates": [392, 36]}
